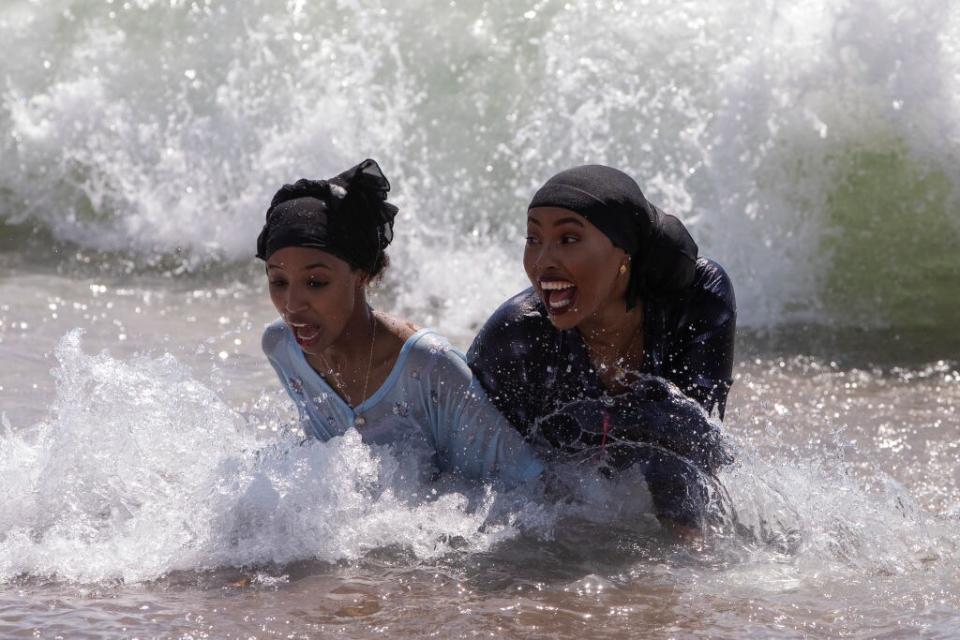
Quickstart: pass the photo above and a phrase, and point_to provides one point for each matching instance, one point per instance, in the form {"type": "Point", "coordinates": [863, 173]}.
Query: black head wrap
{"type": "Point", "coordinates": [663, 256]}
{"type": "Point", "coordinates": [347, 216]}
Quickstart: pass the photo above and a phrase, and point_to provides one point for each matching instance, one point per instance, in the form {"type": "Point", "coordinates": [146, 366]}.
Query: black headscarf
{"type": "Point", "coordinates": [347, 216]}
{"type": "Point", "coordinates": [663, 256]}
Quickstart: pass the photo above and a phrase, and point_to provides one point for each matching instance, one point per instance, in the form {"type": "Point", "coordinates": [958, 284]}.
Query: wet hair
{"type": "Point", "coordinates": [347, 216]}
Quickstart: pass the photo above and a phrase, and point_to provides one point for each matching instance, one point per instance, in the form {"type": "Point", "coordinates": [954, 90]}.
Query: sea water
{"type": "Point", "coordinates": [153, 479]}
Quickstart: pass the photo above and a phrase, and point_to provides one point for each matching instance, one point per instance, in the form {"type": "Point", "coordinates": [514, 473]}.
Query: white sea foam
{"type": "Point", "coordinates": [152, 127]}
{"type": "Point", "coordinates": [808, 518]}
{"type": "Point", "coordinates": [141, 470]}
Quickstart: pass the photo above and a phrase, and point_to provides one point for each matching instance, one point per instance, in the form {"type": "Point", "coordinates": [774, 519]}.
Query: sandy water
{"type": "Point", "coordinates": [159, 490]}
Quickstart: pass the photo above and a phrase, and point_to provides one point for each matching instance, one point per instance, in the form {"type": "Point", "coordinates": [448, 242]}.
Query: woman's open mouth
{"type": "Point", "coordinates": [305, 334]}
{"type": "Point", "coordinates": [558, 295]}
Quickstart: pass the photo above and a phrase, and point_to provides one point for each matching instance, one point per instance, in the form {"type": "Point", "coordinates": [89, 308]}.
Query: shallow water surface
{"type": "Point", "coordinates": [155, 487]}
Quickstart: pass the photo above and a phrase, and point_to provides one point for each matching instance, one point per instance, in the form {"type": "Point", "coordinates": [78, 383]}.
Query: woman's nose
{"type": "Point", "coordinates": [294, 300]}
{"type": "Point", "coordinates": [545, 256]}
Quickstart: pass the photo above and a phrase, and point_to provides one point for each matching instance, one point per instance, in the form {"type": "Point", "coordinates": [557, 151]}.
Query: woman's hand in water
{"type": "Point", "coordinates": [554, 489]}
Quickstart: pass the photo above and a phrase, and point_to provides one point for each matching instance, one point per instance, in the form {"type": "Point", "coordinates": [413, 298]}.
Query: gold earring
{"type": "Point", "coordinates": [623, 268]}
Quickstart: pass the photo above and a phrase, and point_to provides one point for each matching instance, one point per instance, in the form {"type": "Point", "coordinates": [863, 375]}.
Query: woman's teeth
{"type": "Point", "coordinates": [558, 294]}
{"type": "Point", "coordinates": [555, 285]}
{"type": "Point", "coordinates": [306, 332]}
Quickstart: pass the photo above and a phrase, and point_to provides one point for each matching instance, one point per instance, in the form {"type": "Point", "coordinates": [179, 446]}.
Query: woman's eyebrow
{"type": "Point", "coordinates": [557, 223]}
{"type": "Point", "coordinates": [312, 265]}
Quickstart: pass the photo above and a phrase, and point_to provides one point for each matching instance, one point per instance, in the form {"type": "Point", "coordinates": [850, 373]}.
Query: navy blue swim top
{"type": "Point", "coordinates": [543, 381]}
{"type": "Point", "coordinates": [530, 368]}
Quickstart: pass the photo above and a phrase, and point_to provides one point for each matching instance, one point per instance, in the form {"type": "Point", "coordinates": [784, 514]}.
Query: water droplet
{"type": "Point", "coordinates": [296, 384]}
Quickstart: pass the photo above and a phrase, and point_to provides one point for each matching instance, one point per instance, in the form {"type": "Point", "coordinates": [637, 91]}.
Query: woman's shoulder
{"type": "Point", "coordinates": [712, 281]}
{"type": "Point", "coordinates": [523, 308]}
{"type": "Point", "coordinates": [516, 327]}
{"type": "Point", "coordinates": [706, 305]}
{"type": "Point", "coordinates": [392, 339]}
{"type": "Point", "coordinates": [400, 328]}
{"type": "Point", "coordinates": [430, 358]}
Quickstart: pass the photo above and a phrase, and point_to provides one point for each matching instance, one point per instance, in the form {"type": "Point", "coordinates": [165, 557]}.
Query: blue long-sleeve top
{"type": "Point", "coordinates": [430, 399]}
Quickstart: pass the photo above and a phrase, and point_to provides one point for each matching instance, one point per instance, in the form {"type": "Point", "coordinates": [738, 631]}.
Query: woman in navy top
{"type": "Point", "coordinates": [620, 308]}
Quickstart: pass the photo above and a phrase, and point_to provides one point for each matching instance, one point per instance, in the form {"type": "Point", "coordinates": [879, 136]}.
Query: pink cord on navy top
{"type": "Point", "coordinates": [606, 430]}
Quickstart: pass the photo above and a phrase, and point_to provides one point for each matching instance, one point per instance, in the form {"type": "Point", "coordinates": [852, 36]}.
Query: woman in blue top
{"type": "Point", "coordinates": [620, 301]}
{"type": "Point", "coordinates": [348, 366]}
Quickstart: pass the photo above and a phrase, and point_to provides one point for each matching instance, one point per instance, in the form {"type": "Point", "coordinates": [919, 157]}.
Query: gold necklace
{"type": "Point", "coordinates": [358, 419]}
{"type": "Point", "coordinates": [620, 371]}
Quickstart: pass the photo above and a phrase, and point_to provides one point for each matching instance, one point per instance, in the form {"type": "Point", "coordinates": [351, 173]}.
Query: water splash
{"type": "Point", "coordinates": [161, 129]}
{"type": "Point", "coordinates": [142, 470]}
{"type": "Point", "coordinates": [811, 516]}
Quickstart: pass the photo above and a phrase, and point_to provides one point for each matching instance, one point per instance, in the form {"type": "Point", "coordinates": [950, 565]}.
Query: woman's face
{"type": "Point", "coordinates": [574, 267]}
{"type": "Point", "coordinates": [315, 292]}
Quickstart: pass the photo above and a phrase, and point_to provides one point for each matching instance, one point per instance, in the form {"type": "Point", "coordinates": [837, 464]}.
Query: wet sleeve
{"type": "Point", "coordinates": [508, 361]}
{"type": "Point", "coordinates": [655, 412]}
{"type": "Point", "coordinates": [703, 359]}
{"type": "Point", "coordinates": [678, 448]}
{"type": "Point", "coordinates": [470, 435]}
